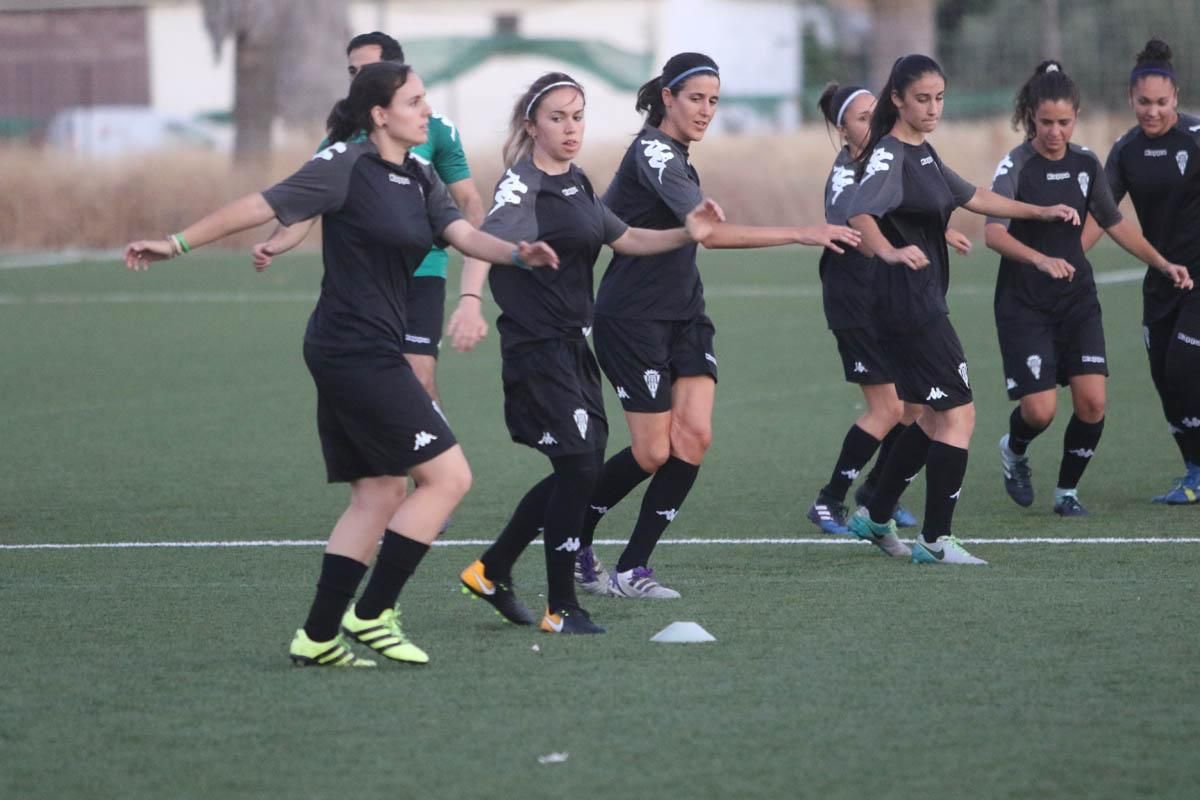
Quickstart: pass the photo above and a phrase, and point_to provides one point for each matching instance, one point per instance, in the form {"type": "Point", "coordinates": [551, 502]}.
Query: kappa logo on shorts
{"type": "Point", "coordinates": [878, 163]}
{"type": "Point", "coordinates": [1086, 359]}
{"type": "Point", "coordinates": [337, 148]}
{"type": "Point", "coordinates": [936, 393]}
{"type": "Point", "coordinates": [423, 438]}
{"type": "Point", "coordinates": [1181, 336]}
{"type": "Point", "coordinates": [586, 331]}
{"type": "Point", "coordinates": [622, 394]}
{"type": "Point", "coordinates": [547, 439]}
{"type": "Point", "coordinates": [1034, 363]}
{"type": "Point", "coordinates": [657, 155]}
{"type": "Point", "coordinates": [652, 377]}
{"type": "Point", "coordinates": [1082, 452]}
{"type": "Point", "coordinates": [709, 357]}
{"type": "Point", "coordinates": [912, 477]}
{"type": "Point", "coordinates": [962, 373]}
{"type": "Point", "coordinates": [1085, 181]}
{"type": "Point", "coordinates": [859, 368]}
{"type": "Point", "coordinates": [571, 545]}
{"type": "Point", "coordinates": [956, 494]}
{"type": "Point", "coordinates": [408, 337]}
{"type": "Point", "coordinates": [838, 181]}
{"type": "Point", "coordinates": [1181, 158]}
{"type": "Point", "coordinates": [581, 422]}
{"type": "Point", "coordinates": [601, 510]}
{"type": "Point", "coordinates": [1191, 422]}
{"type": "Point", "coordinates": [850, 474]}
{"type": "Point", "coordinates": [509, 191]}
{"type": "Point", "coordinates": [670, 514]}
{"type": "Point", "coordinates": [1010, 384]}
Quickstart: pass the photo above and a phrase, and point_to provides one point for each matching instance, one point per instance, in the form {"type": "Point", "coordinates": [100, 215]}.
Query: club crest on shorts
{"type": "Point", "coordinates": [1084, 181]}
{"type": "Point", "coordinates": [652, 377]}
{"type": "Point", "coordinates": [1034, 363]}
{"type": "Point", "coordinates": [962, 373]}
{"type": "Point", "coordinates": [581, 422]}
{"type": "Point", "coordinates": [1181, 158]}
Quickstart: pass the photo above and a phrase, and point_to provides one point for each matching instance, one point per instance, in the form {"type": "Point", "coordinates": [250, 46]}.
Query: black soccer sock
{"type": "Point", "coordinates": [339, 581]}
{"type": "Point", "coordinates": [885, 450]}
{"type": "Point", "coordinates": [522, 528]}
{"type": "Point", "coordinates": [902, 467]}
{"type": "Point", "coordinates": [1079, 444]}
{"type": "Point", "coordinates": [857, 449]}
{"type": "Point", "coordinates": [574, 481]}
{"type": "Point", "coordinates": [1182, 382]}
{"type": "Point", "coordinates": [397, 561]}
{"type": "Point", "coordinates": [1020, 432]}
{"type": "Point", "coordinates": [944, 472]}
{"type": "Point", "coordinates": [664, 497]}
{"type": "Point", "coordinates": [620, 476]}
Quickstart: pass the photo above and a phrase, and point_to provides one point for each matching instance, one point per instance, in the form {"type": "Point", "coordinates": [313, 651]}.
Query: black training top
{"type": "Point", "coordinates": [847, 280]}
{"type": "Point", "coordinates": [1162, 177]}
{"type": "Point", "coordinates": [379, 219]}
{"type": "Point", "coordinates": [911, 194]}
{"type": "Point", "coordinates": [563, 211]}
{"type": "Point", "coordinates": [1076, 180]}
{"type": "Point", "coordinates": [655, 187]}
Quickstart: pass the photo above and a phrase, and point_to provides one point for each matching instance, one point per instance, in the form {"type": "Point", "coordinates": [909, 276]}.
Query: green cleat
{"type": "Point", "coordinates": [946, 550]}
{"type": "Point", "coordinates": [882, 536]}
{"type": "Point", "coordinates": [384, 636]}
{"type": "Point", "coordinates": [304, 652]}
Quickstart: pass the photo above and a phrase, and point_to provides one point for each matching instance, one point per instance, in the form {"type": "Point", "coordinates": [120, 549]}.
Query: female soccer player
{"type": "Point", "coordinates": [1047, 309]}
{"type": "Point", "coordinates": [904, 200]}
{"type": "Point", "coordinates": [552, 396]}
{"type": "Point", "coordinates": [382, 210]}
{"type": "Point", "coordinates": [653, 339]}
{"type": "Point", "coordinates": [848, 288]}
{"type": "Point", "coordinates": [1157, 163]}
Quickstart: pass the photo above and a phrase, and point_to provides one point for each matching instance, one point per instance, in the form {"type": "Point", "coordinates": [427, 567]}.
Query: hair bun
{"type": "Point", "coordinates": [1156, 50]}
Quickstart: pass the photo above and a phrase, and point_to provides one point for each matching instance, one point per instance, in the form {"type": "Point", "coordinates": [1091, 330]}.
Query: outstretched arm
{"type": "Point", "coordinates": [987, 202]}
{"type": "Point", "coordinates": [474, 243]}
{"type": "Point", "coordinates": [698, 225]}
{"type": "Point", "coordinates": [731, 236]}
{"type": "Point", "coordinates": [999, 239]}
{"type": "Point", "coordinates": [246, 212]}
{"type": "Point", "coordinates": [1126, 234]}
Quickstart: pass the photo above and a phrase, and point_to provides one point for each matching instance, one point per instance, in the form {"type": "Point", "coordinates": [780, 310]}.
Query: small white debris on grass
{"type": "Point", "coordinates": [536, 649]}
{"type": "Point", "coordinates": [553, 758]}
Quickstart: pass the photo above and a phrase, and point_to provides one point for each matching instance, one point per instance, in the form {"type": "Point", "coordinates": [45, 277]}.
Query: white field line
{"type": "Point", "coordinates": [60, 258]}
{"type": "Point", "coordinates": [839, 540]}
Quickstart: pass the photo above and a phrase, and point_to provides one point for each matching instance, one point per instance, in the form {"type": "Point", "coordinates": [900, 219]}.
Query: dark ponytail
{"type": "Point", "coordinates": [374, 85]}
{"type": "Point", "coordinates": [1048, 83]}
{"type": "Point", "coordinates": [1155, 59]}
{"type": "Point", "coordinates": [905, 72]}
{"type": "Point", "coordinates": [675, 75]}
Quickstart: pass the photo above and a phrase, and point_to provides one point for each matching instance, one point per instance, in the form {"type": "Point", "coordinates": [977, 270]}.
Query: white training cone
{"type": "Point", "coordinates": [682, 633]}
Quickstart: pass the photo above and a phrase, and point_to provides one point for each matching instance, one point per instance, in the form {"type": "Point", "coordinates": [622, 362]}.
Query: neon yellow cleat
{"type": "Point", "coordinates": [384, 636]}
{"type": "Point", "coordinates": [304, 652]}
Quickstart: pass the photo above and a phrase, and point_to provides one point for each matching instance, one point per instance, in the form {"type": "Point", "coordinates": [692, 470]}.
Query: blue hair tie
{"type": "Point", "coordinates": [1139, 72]}
{"type": "Point", "coordinates": [692, 71]}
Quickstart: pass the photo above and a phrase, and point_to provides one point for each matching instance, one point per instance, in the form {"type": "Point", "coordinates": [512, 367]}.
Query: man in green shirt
{"type": "Point", "coordinates": [427, 294]}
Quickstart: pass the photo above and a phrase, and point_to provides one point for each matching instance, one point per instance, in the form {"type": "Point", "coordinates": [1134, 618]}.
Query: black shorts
{"type": "Point", "coordinates": [552, 397]}
{"type": "Point", "coordinates": [642, 358]}
{"type": "Point", "coordinates": [1041, 351]}
{"type": "Point", "coordinates": [864, 361]}
{"type": "Point", "coordinates": [929, 364]}
{"type": "Point", "coordinates": [425, 315]}
{"type": "Point", "coordinates": [373, 416]}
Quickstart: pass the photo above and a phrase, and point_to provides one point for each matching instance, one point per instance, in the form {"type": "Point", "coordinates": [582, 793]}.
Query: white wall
{"type": "Point", "coordinates": [184, 77]}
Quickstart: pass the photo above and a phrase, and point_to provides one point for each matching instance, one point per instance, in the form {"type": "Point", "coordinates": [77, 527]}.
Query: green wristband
{"type": "Point", "coordinates": [183, 245]}
{"type": "Point", "coordinates": [518, 261]}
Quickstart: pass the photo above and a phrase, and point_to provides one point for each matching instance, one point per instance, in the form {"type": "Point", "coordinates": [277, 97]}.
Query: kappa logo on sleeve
{"type": "Point", "coordinates": [337, 148]}
{"type": "Point", "coordinates": [657, 155]}
{"type": "Point", "coordinates": [842, 177]}
{"type": "Point", "coordinates": [1003, 167]}
{"type": "Point", "coordinates": [878, 163]}
{"type": "Point", "coordinates": [510, 191]}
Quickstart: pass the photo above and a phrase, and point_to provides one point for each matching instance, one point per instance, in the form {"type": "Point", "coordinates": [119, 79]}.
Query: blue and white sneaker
{"type": "Point", "coordinates": [882, 536]}
{"type": "Point", "coordinates": [946, 550]}
{"type": "Point", "coordinates": [1186, 490]}
{"type": "Point", "coordinates": [829, 515]}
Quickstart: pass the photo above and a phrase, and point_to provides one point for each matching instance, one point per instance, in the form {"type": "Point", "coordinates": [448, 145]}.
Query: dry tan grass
{"type": "Point", "coordinates": [53, 202]}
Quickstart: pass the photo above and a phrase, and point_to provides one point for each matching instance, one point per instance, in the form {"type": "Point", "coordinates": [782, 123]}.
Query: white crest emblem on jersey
{"type": "Point", "coordinates": [657, 154]}
{"type": "Point", "coordinates": [1181, 158]}
{"type": "Point", "coordinates": [509, 191]}
{"type": "Point", "coordinates": [581, 422]}
{"type": "Point", "coordinates": [652, 377]}
{"type": "Point", "coordinates": [878, 163]}
{"type": "Point", "coordinates": [1003, 167]}
{"type": "Point", "coordinates": [328, 153]}
{"type": "Point", "coordinates": [962, 373]}
{"type": "Point", "coordinates": [841, 178]}
{"type": "Point", "coordinates": [1034, 363]}
{"type": "Point", "coordinates": [1084, 182]}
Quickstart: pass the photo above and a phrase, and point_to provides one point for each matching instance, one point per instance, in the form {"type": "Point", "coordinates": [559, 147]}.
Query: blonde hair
{"type": "Point", "coordinates": [519, 144]}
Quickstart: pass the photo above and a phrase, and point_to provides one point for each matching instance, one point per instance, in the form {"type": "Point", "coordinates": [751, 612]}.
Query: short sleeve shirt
{"type": "Point", "coordinates": [379, 221]}
{"type": "Point", "coordinates": [848, 279]}
{"type": "Point", "coordinates": [655, 187]}
{"type": "Point", "coordinates": [1076, 180]}
{"type": "Point", "coordinates": [911, 194]}
{"type": "Point", "coordinates": [1161, 175]}
{"type": "Point", "coordinates": [563, 211]}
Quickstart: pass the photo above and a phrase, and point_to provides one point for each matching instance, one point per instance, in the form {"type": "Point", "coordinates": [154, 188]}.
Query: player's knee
{"type": "Point", "coordinates": [1038, 417]}
{"type": "Point", "coordinates": [650, 456]}
{"type": "Point", "coordinates": [458, 481]}
{"type": "Point", "coordinates": [690, 441]}
{"type": "Point", "coordinates": [1089, 409]}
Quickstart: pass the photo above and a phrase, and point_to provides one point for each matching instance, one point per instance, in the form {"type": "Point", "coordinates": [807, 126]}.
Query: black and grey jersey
{"type": "Point", "coordinates": [847, 280]}
{"type": "Point", "coordinates": [1161, 175]}
{"type": "Point", "coordinates": [655, 187]}
{"type": "Point", "coordinates": [379, 219]}
{"type": "Point", "coordinates": [1076, 180]}
{"type": "Point", "coordinates": [563, 211]}
{"type": "Point", "coordinates": [911, 194]}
